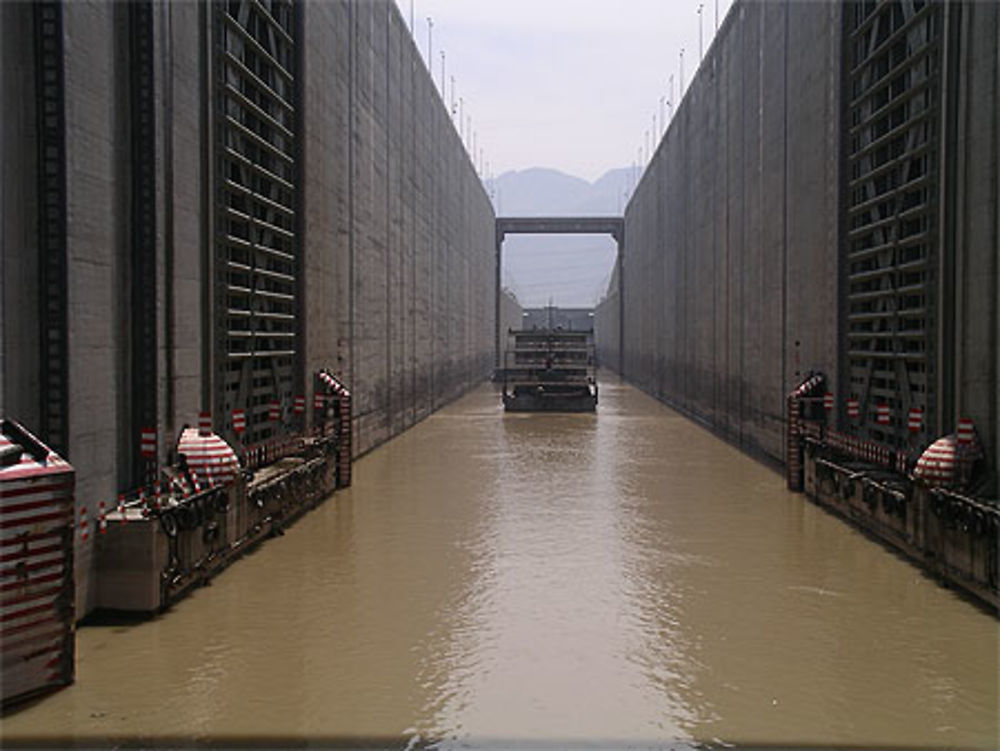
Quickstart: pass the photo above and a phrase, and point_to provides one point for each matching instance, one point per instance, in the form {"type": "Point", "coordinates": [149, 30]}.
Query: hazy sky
{"type": "Point", "coordinates": [568, 84]}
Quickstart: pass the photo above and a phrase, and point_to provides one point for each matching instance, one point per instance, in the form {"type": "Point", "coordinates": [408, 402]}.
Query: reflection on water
{"type": "Point", "coordinates": [615, 578]}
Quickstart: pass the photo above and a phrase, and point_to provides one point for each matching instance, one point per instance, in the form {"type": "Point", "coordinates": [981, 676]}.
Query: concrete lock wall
{"type": "Point", "coordinates": [606, 331]}
{"type": "Point", "coordinates": [730, 264]}
{"type": "Point", "coordinates": [511, 315]}
{"type": "Point", "coordinates": [99, 315]}
{"type": "Point", "coordinates": [18, 266]}
{"type": "Point", "coordinates": [397, 232]}
{"type": "Point", "coordinates": [398, 226]}
{"type": "Point", "coordinates": [731, 255]}
{"type": "Point", "coordinates": [975, 325]}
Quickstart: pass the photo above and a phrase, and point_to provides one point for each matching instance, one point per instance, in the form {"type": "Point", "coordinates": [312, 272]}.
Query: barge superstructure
{"type": "Point", "coordinates": [550, 370]}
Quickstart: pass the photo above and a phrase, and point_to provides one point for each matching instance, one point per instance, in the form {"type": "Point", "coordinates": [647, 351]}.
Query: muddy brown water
{"type": "Point", "coordinates": [614, 579]}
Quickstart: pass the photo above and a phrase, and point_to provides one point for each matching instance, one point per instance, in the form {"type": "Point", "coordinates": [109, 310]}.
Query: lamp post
{"type": "Point", "coordinates": [670, 101]}
{"type": "Point", "coordinates": [443, 87]}
{"type": "Point", "coordinates": [680, 91]}
{"type": "Point", "coordinates": [701, 51]}
{"type": "Point", "coordinates": [430, 51]}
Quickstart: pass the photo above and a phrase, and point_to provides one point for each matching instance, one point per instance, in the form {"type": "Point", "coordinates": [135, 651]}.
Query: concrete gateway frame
{"type": "Point", "coordinates": [562, 225]}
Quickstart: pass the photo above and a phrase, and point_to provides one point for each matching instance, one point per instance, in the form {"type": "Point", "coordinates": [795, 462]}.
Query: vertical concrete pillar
{"type": "Point", "coordinates": [496, 314]}
{"type": "Point", "coordinates": [621, 307]}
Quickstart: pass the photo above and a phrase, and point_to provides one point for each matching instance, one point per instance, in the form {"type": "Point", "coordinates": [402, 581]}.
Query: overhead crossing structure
{"type": "Point", "coordinates": [560, 225]}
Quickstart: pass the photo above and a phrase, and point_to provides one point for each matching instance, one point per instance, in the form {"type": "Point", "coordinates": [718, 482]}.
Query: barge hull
{"type": "Point", "coordinates": [550, 403]}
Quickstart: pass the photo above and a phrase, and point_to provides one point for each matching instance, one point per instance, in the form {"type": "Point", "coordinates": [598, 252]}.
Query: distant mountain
{"type": "Point", "coordinates": [539, 191]}
{"type": "Point", "coordinates": [571, 271]}
{"type": "Point", "coordinates": [608, 193]}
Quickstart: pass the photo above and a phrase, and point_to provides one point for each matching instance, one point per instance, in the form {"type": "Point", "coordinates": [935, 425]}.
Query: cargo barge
{"type": "Point", "coordinates": [549, 370]}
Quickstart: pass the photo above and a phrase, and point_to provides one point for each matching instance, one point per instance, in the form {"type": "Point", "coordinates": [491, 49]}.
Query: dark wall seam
{"type": "Point", "coordinates": [52, 220]}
